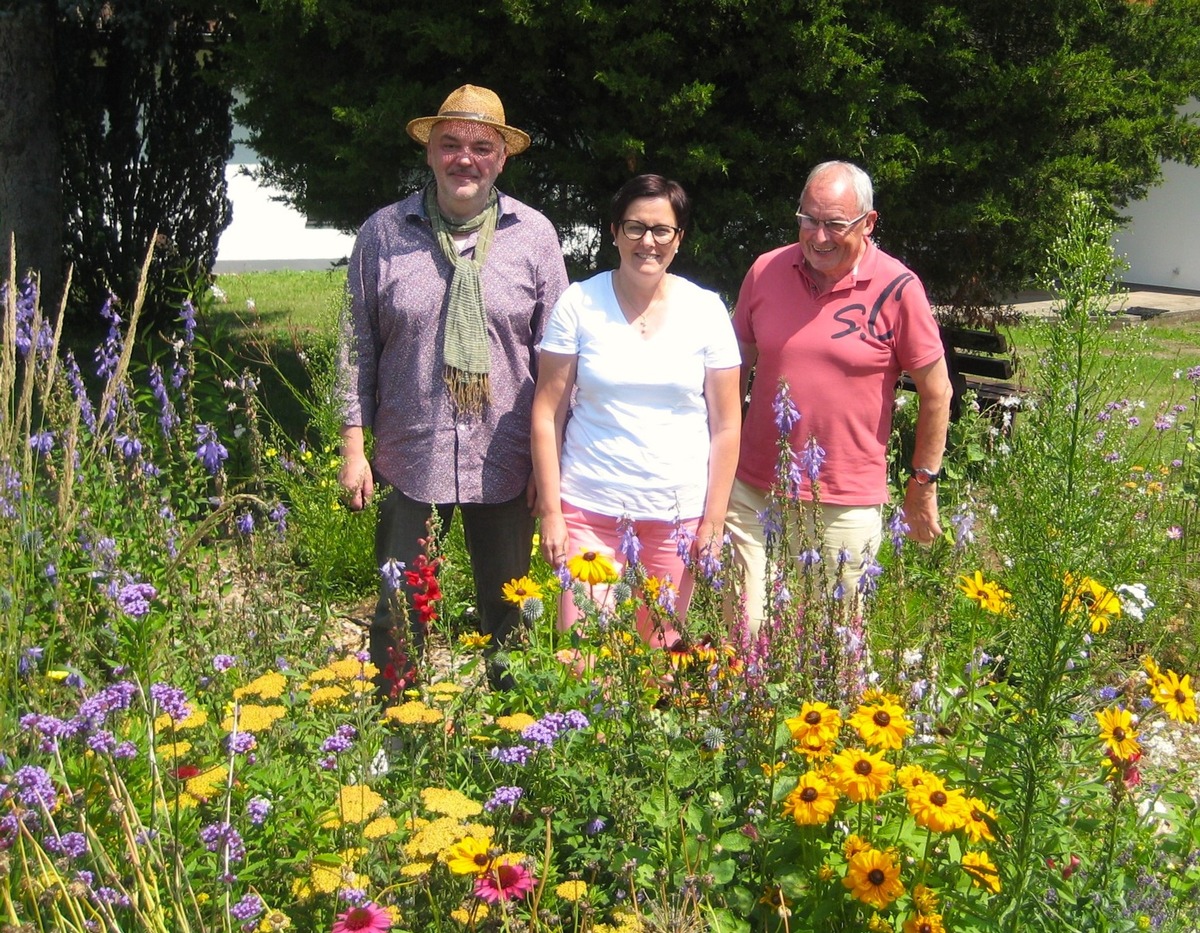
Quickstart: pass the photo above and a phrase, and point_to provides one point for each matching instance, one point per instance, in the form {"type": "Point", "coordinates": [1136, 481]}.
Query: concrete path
{"type": "Point", "coordinates": [1141, 303]}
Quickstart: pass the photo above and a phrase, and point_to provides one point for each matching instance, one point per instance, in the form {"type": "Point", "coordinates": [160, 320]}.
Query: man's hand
{"type": "Point", "coordinates": [921, 512]}
{"type": "Point", "coordinates": [356, 480]}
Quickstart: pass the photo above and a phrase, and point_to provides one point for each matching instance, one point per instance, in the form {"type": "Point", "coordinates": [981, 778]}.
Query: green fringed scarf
{"type": "Point", "coordinates": [465, 343]}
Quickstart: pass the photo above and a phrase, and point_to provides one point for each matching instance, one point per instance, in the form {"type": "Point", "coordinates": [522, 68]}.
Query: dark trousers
{"type": "Point", "coordinates": [499, 539]}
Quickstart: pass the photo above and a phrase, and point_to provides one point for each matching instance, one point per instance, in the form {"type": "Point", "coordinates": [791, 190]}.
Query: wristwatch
{"type": "Point", "coordinates": [925, 477]}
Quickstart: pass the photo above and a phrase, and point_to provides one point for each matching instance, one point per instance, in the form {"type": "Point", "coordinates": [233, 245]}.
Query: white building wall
{"type": "Point", "coordinates": [1160, 243]}
{"type": "Point", "coordinates": [266, 233]}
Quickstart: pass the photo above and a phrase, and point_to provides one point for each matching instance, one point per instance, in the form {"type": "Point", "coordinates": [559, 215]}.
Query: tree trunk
{"type": "Point", "coordinates": [30, 182]}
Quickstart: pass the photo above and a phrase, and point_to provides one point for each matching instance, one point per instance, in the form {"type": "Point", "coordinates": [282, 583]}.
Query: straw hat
{"type": "Point", "coordinates": [476, 105]}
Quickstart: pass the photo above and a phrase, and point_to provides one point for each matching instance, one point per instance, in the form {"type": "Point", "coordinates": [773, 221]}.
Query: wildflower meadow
{"type": "Point", "coordinates": [995, 733]}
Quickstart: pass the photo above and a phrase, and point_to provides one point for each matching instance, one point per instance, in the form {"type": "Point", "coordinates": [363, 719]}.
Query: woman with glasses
{"type": "Point", "coordinates": [636, 416]}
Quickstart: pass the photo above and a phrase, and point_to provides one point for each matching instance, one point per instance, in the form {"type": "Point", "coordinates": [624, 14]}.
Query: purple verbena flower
{"type": "Point", "coordinates": [240, 743]}
{"type": "Point", "coordinates": [514, 755]}
{"type": "Point", "coordinates": [72, 845]}
{"type": "Point", "coordinates": [245, 524]}
{"type": "Point", "coordinates": [247, 908]}
{"type": "Point", "coordinates": [503, 797]}
{"type": "Point", "coordinates": [223, 838]}
{"type": "Point", "coordinates": [133, 599]}
{"type": "Point", "coordinates": [257, 809]}
{"type": "Point", "coordinates": [223, 662]}
{"type": "Point", "coordinates": [34, 789]}
{"type": "Point", "coordinates": [171, 700]}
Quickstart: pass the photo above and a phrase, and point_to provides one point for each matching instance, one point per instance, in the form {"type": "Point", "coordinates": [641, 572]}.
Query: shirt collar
{"type": "Point", "coordinates": [864, 271]}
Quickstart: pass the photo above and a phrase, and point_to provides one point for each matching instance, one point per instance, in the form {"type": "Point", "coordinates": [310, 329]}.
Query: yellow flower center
{"type": "Point", "coordinates": [1119, 734]}
{"type": "Point", "coordinates": [862, 766]}
{"type": "Point", "coordinates": [813, 718]}
{"type": "Point", "coordinates": [809, 794]}
{"type": "Point", "coordinates": [882, 719]}
{"type": "Point", "coordinates": [876, 876]}
{"type": "Point", "coordinates": [1180, 696]}
{"type": "Point", "coordinates": [589, 556]}
{"type": "Point", "coordinates": [938, 798]}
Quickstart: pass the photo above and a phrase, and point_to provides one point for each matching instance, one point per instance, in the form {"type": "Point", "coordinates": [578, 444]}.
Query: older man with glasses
{"type": "Point", "coordinates": [839, 320]}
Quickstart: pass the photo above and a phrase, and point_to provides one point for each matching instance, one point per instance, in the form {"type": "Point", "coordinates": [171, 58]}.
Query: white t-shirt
{"type": "Point", "coordinates": [637, 439]}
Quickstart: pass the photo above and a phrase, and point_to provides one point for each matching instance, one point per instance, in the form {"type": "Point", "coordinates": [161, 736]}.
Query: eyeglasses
{"type": "Point", "coordinates": [662, 233]}
{"type": "Point", "coordinates": [836, 228]}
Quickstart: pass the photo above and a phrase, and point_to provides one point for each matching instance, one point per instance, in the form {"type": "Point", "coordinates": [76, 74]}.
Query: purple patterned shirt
{"type": "Point", "coordinates": [392, 353]}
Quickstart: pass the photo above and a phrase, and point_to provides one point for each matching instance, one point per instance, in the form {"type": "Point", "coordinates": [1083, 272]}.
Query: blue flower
{"type": "Point", "coordinates": [630, 547]}
{"type": "Point", "coordinates": [787, 416]}
{"type": "Point", "coordinates": [209, 449]}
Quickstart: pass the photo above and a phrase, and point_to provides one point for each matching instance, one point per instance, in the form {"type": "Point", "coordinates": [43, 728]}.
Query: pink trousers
{"type": "Point", "coordinates": [591, 531]}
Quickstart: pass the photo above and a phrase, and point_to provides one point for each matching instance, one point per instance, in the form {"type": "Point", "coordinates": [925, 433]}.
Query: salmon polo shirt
{"type": "Point", "coordinates": [841, 353]}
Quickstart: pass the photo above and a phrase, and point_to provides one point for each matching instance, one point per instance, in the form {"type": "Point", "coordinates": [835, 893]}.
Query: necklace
{"type": "Point", "coordinates": [642, 320]}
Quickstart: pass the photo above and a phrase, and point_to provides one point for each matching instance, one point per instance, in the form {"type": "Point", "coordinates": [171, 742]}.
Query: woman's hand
{"type": "Point", "coordinates": [556, 543]}
{"type": "Point", "coordinates": [709, 538]}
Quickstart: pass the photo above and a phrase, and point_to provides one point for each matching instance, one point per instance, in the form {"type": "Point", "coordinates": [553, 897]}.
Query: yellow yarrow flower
{"type": "Point", "coordinates": [476, 913]}
{"type": "Point", "coordinates": [521, 590]}
{"type": "Point", "coordinates": [268, 686]}
{"type": "Point", "coordinates": [328, 695]}
{"type": "Point", "coordinates": [516, 722]}
{"type": "Point", "coordinates": [433, 837]}
{"type": "Point", "coordinates": [174, 750]}
{"type": "Point", "coordinates": [572, 890]}
{"type": "Point", "coordinates": [450, 802]}
{"type": "Point", "coordinates": [356, 803]}
{"type": "Point", "coordinates": [380, 827]}
{"type": "Point", "coordinates": [251, 717]}
{"type": "Point", "coordinates": [416, 869]}
{"type": "Point", "coordinates": [413, 713]}
{"type": "Point", "coordinates": [592, 567]}
{"type": "Point", "coordinates": [207, 783]}
{"type": "Point", "coordinates": [197, 718]}
{"type": "Point", "coordinates": [347, 669]}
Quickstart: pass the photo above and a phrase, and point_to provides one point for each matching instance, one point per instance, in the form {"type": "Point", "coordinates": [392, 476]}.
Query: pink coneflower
{"type": "Point", "coordinates": [504, 882]}
{"type": "Point", "coordinates": [369, 918]}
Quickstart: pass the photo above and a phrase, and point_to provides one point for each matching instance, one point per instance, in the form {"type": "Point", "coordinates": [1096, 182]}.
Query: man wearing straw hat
{"type": "Point", "coordinates": [449, 290]}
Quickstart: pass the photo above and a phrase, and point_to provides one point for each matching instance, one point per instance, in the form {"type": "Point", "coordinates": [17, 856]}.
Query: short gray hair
{"type": "Point", "coordinates": [860, 182]}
